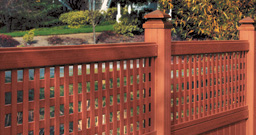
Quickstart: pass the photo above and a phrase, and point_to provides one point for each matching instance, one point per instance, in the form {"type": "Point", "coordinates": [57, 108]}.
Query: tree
{"type": "Point", "coordinates": [95, 18]}
{"type": "Point", "coordinates": [208, 19]}
{"type": "Point", "coordinates": [8, 10]}
{"type": "Point", "coordinates": [27, 14]}
{"type": "Point", "coordinates": [77, 18]}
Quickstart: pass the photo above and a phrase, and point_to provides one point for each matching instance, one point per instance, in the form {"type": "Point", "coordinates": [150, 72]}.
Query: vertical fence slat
{"type": "Point", "coordinates": [36, 100]}
{"type": "Point", "coordinates": [232, 84]}
{"type": "Point", "coordinates": [204, 87]}
{"type": "Point", "coordinates": [179, 93]}
{"type": "Point", "coordinates": [14, 102]}
{"type": "Point", "coordinates": [107, 100]}
{"type": "Point", "coordinates": [235, 79]}
{"type": "Point", "coordinates": [185, 107]}
{"type": "Point", "coordinates": [66, 99]}
{"type": "Point", "coordinates": [134, 97]}
{"type": "Point", "coordinates": [220, 84]}
{"type": "Point", "coordinates": [2, 103]}
{"type": "Point", "coordinates": [115, 97]}
{"type": "Point", "coordinates": [153, 92]}
{"type": "Point", "coordinates": [92, 99]}
{"type": "Point", "coordinates": [121, 74]}
{"type": "Point", "coordinates": [100, 98]}
{"type": "Point", "coordinates": [208, 86]}
{"type": "Point", "coordinates": [225, 82]}
{"type": "Point", "coordinates": [190, 88]}
{"type": "Point", "coordinates": [194, 88]}
{"type": "Point", "coordinates": [47, 102]}
{"type": "Point", "coordinates": [146, 94]}
{"type": "Point", "coordinates": [245, 80]}
{"type": "Point", "coordinates": [25, 101]}
{"type": "Point", "coordinates": [174, 91]}
{"type": "Point", "coordinates": [199, 88]}
{"type": "Point", "coordinates": [84, 100]}
{"type": "Point", "coordinates": [217, 84]}
{"type": "Point", "coordinates": [57, 100]}
{"type": "Point", "coordinates": [228, 82]}
{"type": "Point", "coordinates": [75, 99]}
{"type": "Point", "coordinates": [239, 79]}
{"type": "Point", "coordinates": [128, 91]}
{"type": "Point", "coordinates": [141, 114]}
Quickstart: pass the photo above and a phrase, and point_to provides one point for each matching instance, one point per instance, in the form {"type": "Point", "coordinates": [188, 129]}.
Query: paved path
{"type": "Point", "coordinates": [42, 40]}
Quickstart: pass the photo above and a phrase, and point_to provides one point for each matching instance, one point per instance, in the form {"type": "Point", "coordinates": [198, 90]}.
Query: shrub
{"type": "Point", "coordinates": [8, 41]}
{"type": "Point", "coordinates": [75, 19]}
{"type": "Point", "coordinates": [110, 14]}
{"type": "Point", "coordinates": [215, 19]}
{"type": "Point", "coordinates": [105, 35]}
{"type": "Point", "coordinates": [131, 24]}
{"type": "Point", "coordinates": [55, 40]}
{"type": "Point", "coordinates": [28, 38]}
{"type": "Point", "coordinates": [128, 25]}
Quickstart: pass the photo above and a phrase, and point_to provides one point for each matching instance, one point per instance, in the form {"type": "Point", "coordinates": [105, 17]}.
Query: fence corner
{"type": "Point", "coordinates": [247, 32]}
{"type": "Point", "coordinates": [158, 30]}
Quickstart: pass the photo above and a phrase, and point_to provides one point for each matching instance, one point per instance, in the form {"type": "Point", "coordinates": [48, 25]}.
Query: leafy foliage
{"type": "Point", "coordinates": [77, 18]}
{"type": "Point", "coordinates": [112, 37]}
{"type": "Point", "coordinates": [208, 19]}
{"type": "Point", "coordinates": [129, 24]}
{"type": "Point", "coordinates": [28, 38]}
{"type": "Point", "coordinates": [28, 14]}
{"type": "Point", "coordinates": [8, 41]}
{"type": "Point", "coordinates": [134, 1]}
{"type": "Point", "coordinates": [57, 40]}
{"type": "Point", "coordinates": [110, 14]}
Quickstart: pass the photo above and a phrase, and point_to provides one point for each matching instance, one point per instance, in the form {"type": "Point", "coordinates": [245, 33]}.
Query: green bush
{"type": "Point", "coordinates": [110, 14]}
{"type": "Point", "coordinates": [75, 19]}
{"type": "Point", "coordinates": [208, 19]}
{"type": "Point", "coordinates": [129, 24]}
{"type": "Point", "coordinates": [7, 41]}
{"type": "Point", "coordinates": [28, 38]}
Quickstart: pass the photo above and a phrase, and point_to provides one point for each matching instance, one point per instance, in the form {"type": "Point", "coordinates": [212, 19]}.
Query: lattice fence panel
{"type": "Point", "coordinates": [207, 84]}
{"type": "Point", "coordinates": [115, 97]}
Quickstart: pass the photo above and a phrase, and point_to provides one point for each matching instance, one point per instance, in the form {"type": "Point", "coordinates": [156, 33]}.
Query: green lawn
{"type": "Point", "coordinates": [60, 30]}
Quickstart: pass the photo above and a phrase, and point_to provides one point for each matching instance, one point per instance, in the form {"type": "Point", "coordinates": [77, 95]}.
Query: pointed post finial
{"type": "Point", "coordinates": [157, 20]}
{"type": "Point", "coordinates": [247, 24]}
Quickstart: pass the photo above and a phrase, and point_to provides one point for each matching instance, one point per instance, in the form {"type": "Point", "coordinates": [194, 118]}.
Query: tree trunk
{"type": "Point", "coordinates": [94, 34]}
{"type": "Point", "coordinates": [9, 25]}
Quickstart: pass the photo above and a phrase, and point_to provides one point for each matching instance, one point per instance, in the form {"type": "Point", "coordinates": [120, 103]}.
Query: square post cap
{"type": "Point", "coordinates": [247, 20]}
{"type": "Point", "coordinates": [157, 14]}
{"type": "Point", "coordinates": [247, 24]}
{"type": "Point", "coordinates": [157, 20]}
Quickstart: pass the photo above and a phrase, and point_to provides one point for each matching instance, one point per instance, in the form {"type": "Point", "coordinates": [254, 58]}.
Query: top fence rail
{"type": "Point", "coordinates": [50, 56]}
{"type": "Point", "coordinates": [204, 47]}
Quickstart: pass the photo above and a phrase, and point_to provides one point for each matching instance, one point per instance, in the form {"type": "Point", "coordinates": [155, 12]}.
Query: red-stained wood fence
{"type": "Point", "coordinates": [158, 87]}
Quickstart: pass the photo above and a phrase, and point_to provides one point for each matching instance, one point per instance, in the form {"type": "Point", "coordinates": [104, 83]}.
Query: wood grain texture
{"type": "Point", "coordinates": [204, 47]}
{"type": "Point", "coordinates": [63, 56]}
{"type": "Point", "coordinates": [212, 122]}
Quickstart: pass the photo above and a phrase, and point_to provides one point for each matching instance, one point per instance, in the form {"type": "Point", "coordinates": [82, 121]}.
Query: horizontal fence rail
{"type": "Point", "coordinates": [78, 90]}
{"type": "Point", "coordinates": [204, 47]}
{"type": "Point", "coordinates": [47, 56]}
{"type": "Point", "coordinates": [207, 79]}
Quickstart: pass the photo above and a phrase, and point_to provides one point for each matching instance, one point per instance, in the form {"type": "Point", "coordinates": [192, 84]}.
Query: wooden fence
{"type": "Point", "coordinates": [157, 87]}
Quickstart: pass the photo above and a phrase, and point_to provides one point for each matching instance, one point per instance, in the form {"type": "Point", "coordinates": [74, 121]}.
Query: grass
{"type": "Point", "coordinates": [61, 30]}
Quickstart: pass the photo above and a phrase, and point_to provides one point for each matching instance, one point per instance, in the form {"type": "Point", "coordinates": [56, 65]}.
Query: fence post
{"type": "Point", "coordinates": [247, 32]}
{"type": "Point", "coordinates": [158, 30]}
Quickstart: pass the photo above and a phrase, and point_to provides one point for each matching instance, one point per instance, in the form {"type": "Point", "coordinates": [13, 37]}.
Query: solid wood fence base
{"type": "Point", "coordinates": [212, 122]}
